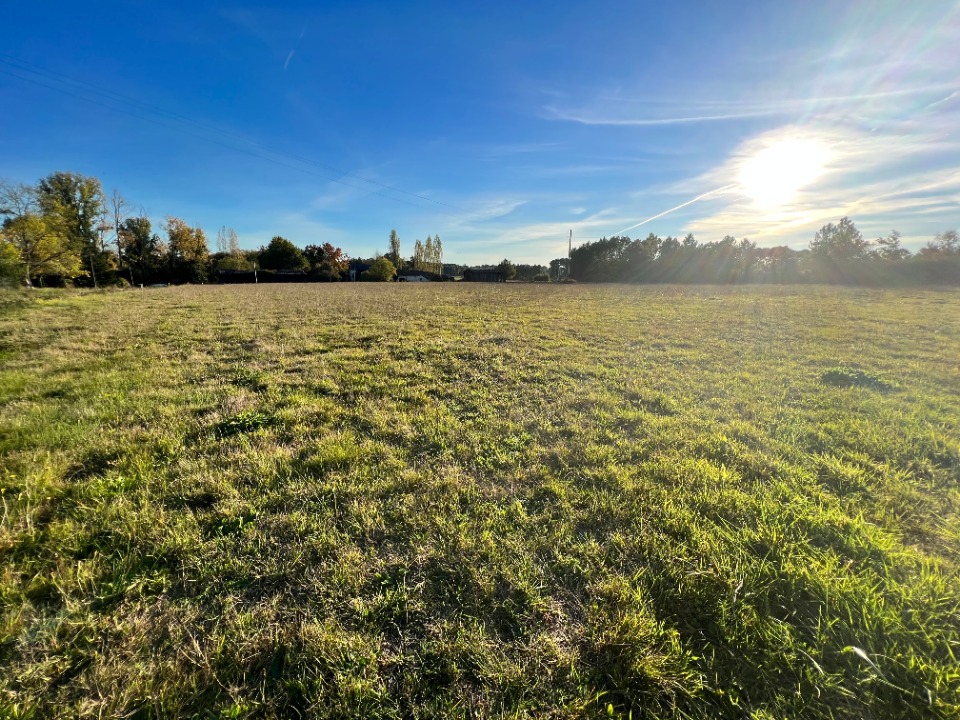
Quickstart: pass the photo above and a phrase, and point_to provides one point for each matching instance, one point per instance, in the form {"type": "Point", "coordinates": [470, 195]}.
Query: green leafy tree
{"type": "Point", "coordinates": [140, 249]}
{"type": "Point", "coordinates": [281, 254]}
{"type": "Point", "coordinates": [382, 270]}
{"type": "Point", "coordinates": [839, 243]}
{"type": "Point", "coordinates": [42, 249]}
{"type": "Point", "coordinates": [9, 263]}
{"type": "Point", "coordinates": [508, 269]}
{"type": "Point", "coordinates": [76, 205]}
{"type": "Point", "coordinates": [38, 240]}
{"type": "Point", "coordinates": [559, 269]}
{"type": "Point", "coordinates": [888, 248]}
{"type": "Point", "coordinates": [946, 243]}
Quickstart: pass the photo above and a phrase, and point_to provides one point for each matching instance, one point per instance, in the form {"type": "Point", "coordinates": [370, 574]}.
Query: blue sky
{"type": "Point", "coordinates": [500, 126]}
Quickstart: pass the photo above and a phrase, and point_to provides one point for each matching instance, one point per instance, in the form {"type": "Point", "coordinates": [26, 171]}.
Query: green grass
{"type": "Point", "coordinates": [480, 501]}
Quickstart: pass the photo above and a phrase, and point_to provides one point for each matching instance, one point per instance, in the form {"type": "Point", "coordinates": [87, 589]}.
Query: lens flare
{"type": "Point", "coordinates": [773, 176]}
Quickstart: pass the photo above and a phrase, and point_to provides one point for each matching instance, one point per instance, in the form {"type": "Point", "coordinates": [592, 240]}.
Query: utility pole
{"type": "Point", "coordinates": [570, 253]}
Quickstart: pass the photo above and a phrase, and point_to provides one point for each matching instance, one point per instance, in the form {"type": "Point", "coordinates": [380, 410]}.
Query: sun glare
{"type": "Point", "coordinates": [772, 176]}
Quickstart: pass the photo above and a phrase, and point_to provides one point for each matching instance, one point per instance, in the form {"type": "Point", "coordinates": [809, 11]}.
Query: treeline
{"type": "Point", "coordinates": [838, 254]}
{"type": "Point", "coordinates": [65, 229]}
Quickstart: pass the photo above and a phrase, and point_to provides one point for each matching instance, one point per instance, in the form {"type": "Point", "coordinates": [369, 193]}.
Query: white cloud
{"type": "Point", "coordinates": [905, 175]}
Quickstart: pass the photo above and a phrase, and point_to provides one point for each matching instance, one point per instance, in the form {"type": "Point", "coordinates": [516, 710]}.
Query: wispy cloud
{"type": "Point", "coordinates": [553, 113]}
{"type": "Point", "coordinates": [906, 175]}
{"type": "Point", "coordinates": [499, 151]}
{"type": "Point", "coordinates": [620, 111]}
{"type": "Point", "coordinates": [481, 211]}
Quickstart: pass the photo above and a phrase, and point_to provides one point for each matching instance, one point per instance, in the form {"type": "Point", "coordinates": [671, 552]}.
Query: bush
{"type": "Point", "coordinates": [382, 270]}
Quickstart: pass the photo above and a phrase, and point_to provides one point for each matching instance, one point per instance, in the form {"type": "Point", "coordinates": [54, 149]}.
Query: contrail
{"type": "Point", "coordinates": [678, 207]}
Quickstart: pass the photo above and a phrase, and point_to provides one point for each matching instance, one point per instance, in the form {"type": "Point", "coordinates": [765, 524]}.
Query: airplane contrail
{"type": "Point", "coordinates": [678, 207]}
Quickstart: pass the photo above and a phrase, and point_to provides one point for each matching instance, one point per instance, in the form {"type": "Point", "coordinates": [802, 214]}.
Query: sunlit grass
{"type": "Point", "coordinates": [480, 501]}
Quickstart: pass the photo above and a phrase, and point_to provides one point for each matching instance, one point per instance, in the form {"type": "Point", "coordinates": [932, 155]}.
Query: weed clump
{"type": "Point", "coordinates": [246, 421]}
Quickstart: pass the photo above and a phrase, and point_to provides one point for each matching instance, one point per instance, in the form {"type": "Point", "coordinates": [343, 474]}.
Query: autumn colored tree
{"type": "Point", "coordinates": [327, 263]}
{"type": "Point", "coordinates": [38, 240]}
{"type": "Point", "coordinates": [187, 251]}
{"type": "Point", "coordinates": [42, 248]}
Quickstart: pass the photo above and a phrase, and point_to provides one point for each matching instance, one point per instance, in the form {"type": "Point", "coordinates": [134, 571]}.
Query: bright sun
{"type": "Point", "coordinates": [772, 176]}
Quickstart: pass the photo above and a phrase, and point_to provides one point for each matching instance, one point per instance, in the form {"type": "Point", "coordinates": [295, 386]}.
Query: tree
{"type": "Point", "coordinates": [888, 248]}
{"type": "Point", "coordinates": [222, 240]}
{"type": "Point", "coordinates": [41, 247]}
{"type": "Point", "coordinates": [118, 214]}
{"type": "Point", "coordinates": [229, 256]}
{"type": "Point", "coordinates": [9, 263]}
{"type": "Point", "coordinates": [186, 244]}
{"type": "Point", "coordinates": [233, 243]}
{"type": "Point", "coordinates": [38, 240]}
{"type": "Point", "coordinates": [281, 254]}
{"type": "Point", "coordinates": [382, 270]}
{"type": "Point", "coordinates": [75, 204]}
{"type": "Point", "coordinates": [140, 249]}
{"type": "Point", "coordinates": [600, 261]}
{"type": "Point", "coordinates": [947, 243]}
{"type": "Point", "coordinates": [326, 262]}
{"type": "Point", "coordinates": [394, 254]}
{"type": "Point", "coordinates": [559, 269]}
{"type": "Point", "coordinates": [508, 269]}
{"type": "Point", "coordinates": [187, 251]}
{"type": "Point", "coordinates": [839, 243]}
{"type": "Point", "coordinates": [437, 255]}
{"type": "Point", "coordinates": [227, 242]}
{"type": "Point", "coordinates": [417, 258]}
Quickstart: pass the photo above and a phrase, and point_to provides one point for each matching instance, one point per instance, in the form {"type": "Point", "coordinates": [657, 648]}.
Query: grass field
{"type": "Point", "coordinates": [480, 501]}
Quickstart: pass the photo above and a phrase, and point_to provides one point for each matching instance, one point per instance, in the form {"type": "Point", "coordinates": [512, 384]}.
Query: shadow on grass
{"type": "Point", "coordinates": [849, 377]}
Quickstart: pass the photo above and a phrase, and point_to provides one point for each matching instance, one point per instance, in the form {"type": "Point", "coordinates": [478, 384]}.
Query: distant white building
{"type": "Point", "coordinates": [413, 278]}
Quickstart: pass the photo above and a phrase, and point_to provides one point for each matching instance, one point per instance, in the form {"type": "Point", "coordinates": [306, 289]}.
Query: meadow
{"type": "Point", "coordinates": [480, 501]}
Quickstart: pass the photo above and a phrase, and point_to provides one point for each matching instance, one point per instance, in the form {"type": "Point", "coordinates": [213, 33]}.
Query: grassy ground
{"type": "Point", "coordinates": [480, 501]}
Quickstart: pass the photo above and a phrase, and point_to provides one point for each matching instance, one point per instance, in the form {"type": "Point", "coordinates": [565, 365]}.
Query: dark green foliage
{"type": "Point", "coordinates": [141, 251]}
{"type": "Point", "coordinates": [281, 254]}
{"type": "Point", "coordinates": [838, 254]}
{"type": "Point", "coordinates": [851, 377]}
{"type": "Point", "coordinates": [508, 269]}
